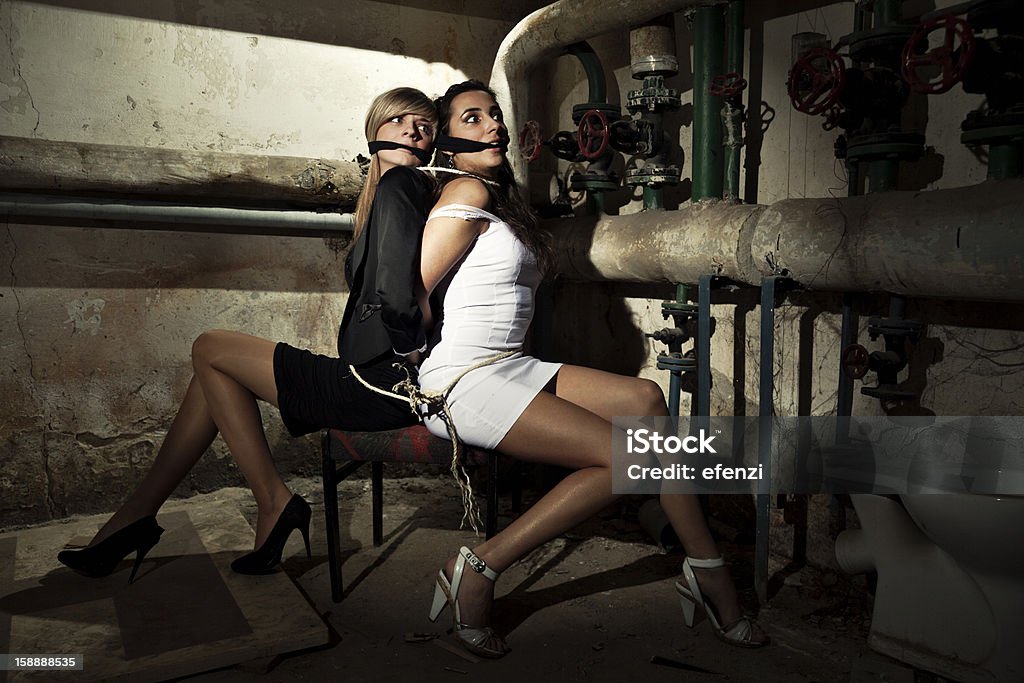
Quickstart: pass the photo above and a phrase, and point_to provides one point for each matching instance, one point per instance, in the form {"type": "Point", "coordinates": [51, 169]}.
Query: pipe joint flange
{"type": "Point", "coordinates": [611, 111]}
{"type": "Point", "coordinates": [654, 65]}
{"type": "Point", "coordinates": [653, 98]}
{"type": "Point", "coordinates": [593, 182]}
{"type": "Point", "coordinates": [894, 145]}
{"type": "Point", "coordinates": [894, 327]}
{"type": "Point", "coordinates": [676, 363]}
{"type": "Point", "coordinates": [653, 176]}
{"type": "Point", "coordinates": [889, 392]}
{"type": "Point", "coordinates": [679, 308]}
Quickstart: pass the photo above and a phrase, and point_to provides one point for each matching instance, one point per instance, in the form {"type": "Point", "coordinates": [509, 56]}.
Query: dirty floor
{"type": "Point", "coordinates": [594, 605]}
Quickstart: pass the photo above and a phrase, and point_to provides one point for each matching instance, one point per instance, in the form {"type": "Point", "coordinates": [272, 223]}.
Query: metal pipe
{"type": "Point", "coordinates": [766, 409]}
{"type": "Point", "coordinates": [882, 175]}
{"type": "Point", "coordinates": [596, 88]}
{"type": "Point", "coordinates": [675, 387]}
{"type": "Point", "coordinates": [175, 175]}
{"type": "Point", "coordinates": [82, 212]}
{"type": "Point", "coordinates": [844, 401]}
{"type": "Point", "coordinates": [1004, 161]}
{"type": "Point", "coordinates": [735, 36]}
{"type": "Point", "coordinates": [962, 243]}
{"type": "Point", "coordinates": [674, 390]}
{"type": "Point", "coordinates": [852, 177]}
{"type": "Point", "coordinates": [887, 12]}
{"type": "Point", "coordinates": [702, 399]}
{"type": "Point", "coordinates": [733, 120]}
{"type": "Point", "coordinates": [546, 32]}
{"type": "Point", "coordinates": [653, 198]}
{"type": "Point", "coordinates": [708, 32]}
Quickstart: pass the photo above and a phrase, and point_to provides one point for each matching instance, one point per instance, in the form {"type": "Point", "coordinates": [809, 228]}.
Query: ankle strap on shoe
{"type": "Point", "coordinates": [477, 564]}
{"type": "Point", "coordinates": [710, 563]}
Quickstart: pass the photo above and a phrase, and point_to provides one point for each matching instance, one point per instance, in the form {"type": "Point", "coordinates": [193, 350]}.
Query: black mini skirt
{"type": "Point", "coordinates": [317, 392]}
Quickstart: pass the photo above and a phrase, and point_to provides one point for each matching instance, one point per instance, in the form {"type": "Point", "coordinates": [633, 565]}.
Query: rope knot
{"type": "Point", "coordinates": [428, 403]}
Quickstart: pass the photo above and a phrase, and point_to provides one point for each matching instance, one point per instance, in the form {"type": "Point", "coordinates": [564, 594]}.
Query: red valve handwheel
{"type": "Point", "coordinates": [952, 63]}
{"type": "Point", "coordinates": [855, 361]}
{"type": "Point", "coordinates": [727, 85]}
{"type": "Point", "coordinates": [812, 89]}
{"type": "Point", "coordinates": [530, 142]}
{"type": "Point", "coordinates": [593, 134]}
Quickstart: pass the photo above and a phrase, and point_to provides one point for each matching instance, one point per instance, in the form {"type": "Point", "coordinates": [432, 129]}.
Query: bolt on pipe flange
{"type": "Point", "coordinates": [652, 98]}
{"type": "Point", "coordinates": [653, 176]}
{"type": "Point", "coordinates": [676, 363]}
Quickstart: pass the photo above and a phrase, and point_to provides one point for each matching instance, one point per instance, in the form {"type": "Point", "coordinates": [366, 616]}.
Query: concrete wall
{"type": "Point", "coordinates": [96, 325]}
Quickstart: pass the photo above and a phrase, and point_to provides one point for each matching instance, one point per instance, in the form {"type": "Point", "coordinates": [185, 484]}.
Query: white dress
{"type": "Point", "coordinates": [488, 306]}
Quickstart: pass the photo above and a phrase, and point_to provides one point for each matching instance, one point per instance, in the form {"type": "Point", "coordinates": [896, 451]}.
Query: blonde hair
{"type": "Point", "coordinates": [387, 105]}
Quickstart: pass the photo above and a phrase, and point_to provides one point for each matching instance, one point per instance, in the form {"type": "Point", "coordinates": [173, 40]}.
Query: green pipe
{"type": "Point", "coordinates": [653, 198]}
{"type": "Point", "coordinates": [858, 19]}
{"type": "Point", "coordinates": [592, 66]}
{"type": "Point", "coordinates": [1004, 161]}
{"type": "Point", "coordinates": [595, 203]}
{"type": "Point", "coordinates": [882, 175]}
{"type": "Point", "coordinates": [734, 32]}
{"type": "Point", "coordinates": [887, 12]}
{"type": "Point", "coordinates": [708, 33]}
{"type": "Point", "coordinates": [852, 177]}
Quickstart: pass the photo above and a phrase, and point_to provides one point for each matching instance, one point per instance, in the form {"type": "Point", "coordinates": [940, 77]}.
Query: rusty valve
{"type": "Point", "coordinates": [855, 361]}
{"type": "Point", "coordinates": [530, 142]}
{"type": "Point", "coordinates": [727, 85]}
{"type": "Point", "coordinates": [951, 59]}
{"type": "Point", "coordinates": [593, 134]}
{"type": "Point", "coordinates": [816, 80]}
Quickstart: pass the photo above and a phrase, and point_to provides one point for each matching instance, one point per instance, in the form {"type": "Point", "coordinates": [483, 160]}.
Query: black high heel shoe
{"type": "Point", "coordinates": [296, 515]}
{"type": "Point", "coordinates": [101, 559]}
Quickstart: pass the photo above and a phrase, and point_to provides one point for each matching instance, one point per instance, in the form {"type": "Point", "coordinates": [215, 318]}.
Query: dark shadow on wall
{"type": "Point", "coordinates": [363, 25]}
{"type": "Point", "coordinates": [594, 327]}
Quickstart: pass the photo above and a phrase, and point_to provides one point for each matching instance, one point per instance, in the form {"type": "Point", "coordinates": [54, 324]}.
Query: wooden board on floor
{"type": "Point", "coordinates": [187, 612]}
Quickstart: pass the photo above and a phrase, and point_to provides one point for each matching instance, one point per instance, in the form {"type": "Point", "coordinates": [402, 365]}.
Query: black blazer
{"type": "Point", "coordinates": [382, 316]}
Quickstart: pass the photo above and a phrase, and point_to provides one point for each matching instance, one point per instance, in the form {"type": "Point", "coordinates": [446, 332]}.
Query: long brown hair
{"type": "Point", "coordinates": [387, 105]}
{"type": "Point", "coordinates": [507, 201]}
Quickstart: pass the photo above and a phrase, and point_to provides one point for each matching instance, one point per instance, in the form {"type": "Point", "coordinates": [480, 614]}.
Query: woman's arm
{"type": "Point", "coordinates": [398, 215]}
{"type": "Point", "coordinates": [447, 239]}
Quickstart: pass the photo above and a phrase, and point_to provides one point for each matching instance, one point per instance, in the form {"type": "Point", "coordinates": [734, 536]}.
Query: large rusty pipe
{"type": "Point", "coordinates": [547, 32]}
{"type": "Point", "coordinates": [964, 243]}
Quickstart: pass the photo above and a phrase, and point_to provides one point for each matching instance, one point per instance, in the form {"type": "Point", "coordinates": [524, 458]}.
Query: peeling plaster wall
{"type": "Point", "coordinates": [96, 325]}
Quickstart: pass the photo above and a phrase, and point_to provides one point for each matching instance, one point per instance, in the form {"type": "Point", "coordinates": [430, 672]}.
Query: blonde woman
{"type": "Point", "coordinates": [381, 334]}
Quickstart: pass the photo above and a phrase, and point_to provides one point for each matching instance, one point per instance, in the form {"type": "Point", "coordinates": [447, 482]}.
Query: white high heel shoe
{"type": "Point", "coordinates": [472, 638]}
{"type": "Point", "coordinates": [738, 633]}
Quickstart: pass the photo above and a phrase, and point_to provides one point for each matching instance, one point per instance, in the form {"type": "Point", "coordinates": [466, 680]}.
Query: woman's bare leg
{"type": "Point", "coordinates": [191, 433]}
{"type": "Point", "coordinates": [555, 430]}
{"type": "Point", "coordinates": [232, 370]}
{"type": "Point", "coordinates": [624, 396]}
{"type": "Point", "coordinates": [552, 432]}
